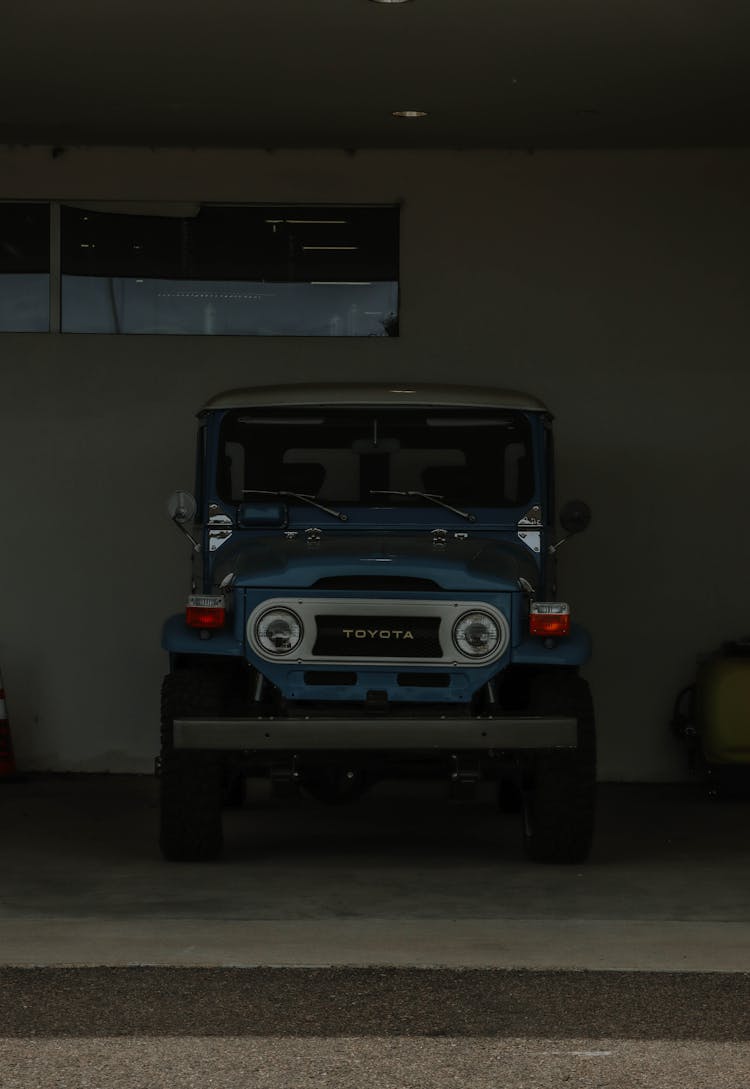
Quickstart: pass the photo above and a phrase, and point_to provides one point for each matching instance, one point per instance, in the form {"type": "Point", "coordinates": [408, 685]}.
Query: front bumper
{"type": "Point", "coordinates": [375, 734]}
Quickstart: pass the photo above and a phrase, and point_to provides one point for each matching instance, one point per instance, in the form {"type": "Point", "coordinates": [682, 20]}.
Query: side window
{"type": "Point", "coordinates": [232, 471]}
{"type": "Point", "coordinates": [513, 465]}
{"type": "Point", "coordinates": [549, 466]}
{"type": "Point", "coordinates": [200, 465]}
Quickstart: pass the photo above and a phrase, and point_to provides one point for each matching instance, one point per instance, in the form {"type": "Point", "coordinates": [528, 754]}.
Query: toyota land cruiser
{"type": "Point", "coordinates": [373, 596]}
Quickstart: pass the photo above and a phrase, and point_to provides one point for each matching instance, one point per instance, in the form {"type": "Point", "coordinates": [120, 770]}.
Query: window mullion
{"type": "Point", "coordinates": [55, 279]}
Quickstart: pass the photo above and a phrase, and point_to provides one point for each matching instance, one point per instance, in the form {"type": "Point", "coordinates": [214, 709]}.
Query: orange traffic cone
{"type": "Point", "coordinates": [7, 760]}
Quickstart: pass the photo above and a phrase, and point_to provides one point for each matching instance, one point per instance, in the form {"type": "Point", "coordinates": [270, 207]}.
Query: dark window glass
{"type": "Point", "coordinates": [301, 271]}
{"type": "Point", "coordinates": [24, 268]}
{"type": "Point", "coordinates": [200, 463]}
{"type": "Point", "coordinates": [345, 456]}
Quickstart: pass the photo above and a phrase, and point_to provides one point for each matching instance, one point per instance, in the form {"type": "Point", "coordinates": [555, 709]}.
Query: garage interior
{"type": "Point", "coordinates": [574, 223]}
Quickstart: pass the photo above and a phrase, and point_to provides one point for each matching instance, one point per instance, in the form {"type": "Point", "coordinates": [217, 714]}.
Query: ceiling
{"type": "Point", "coordinates": [328, 73]}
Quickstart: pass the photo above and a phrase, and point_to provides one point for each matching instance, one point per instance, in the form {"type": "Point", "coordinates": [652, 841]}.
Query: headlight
{"type": "Point", "coordinates": [279, 631]}
{"type": "Point", "coordinates": [476, 634]}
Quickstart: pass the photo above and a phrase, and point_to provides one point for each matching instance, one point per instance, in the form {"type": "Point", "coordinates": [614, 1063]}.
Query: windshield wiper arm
{"type": "Point", "coordinates": [304, 498]}
{"type": "Point", "coordinates": [436, 499]}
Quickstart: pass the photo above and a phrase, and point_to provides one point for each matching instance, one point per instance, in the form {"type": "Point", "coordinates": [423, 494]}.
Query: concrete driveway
{"type": "Point", "coordinates": [404, 877]}
{"type": "Point", "coordinates": [398, 943]}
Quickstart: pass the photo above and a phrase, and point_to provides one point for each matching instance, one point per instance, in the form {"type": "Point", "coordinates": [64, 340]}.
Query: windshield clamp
{"type": "Point", "coordinates": [532, 540]}
{"type": "Point", "coordinates": [313, 535]}
{"type": "Point", "coordinates": [532, 517]}
{"type": "Point", "coordinates": [440, 538]}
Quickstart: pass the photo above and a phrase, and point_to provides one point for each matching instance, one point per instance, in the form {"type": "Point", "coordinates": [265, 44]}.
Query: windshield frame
{"type": "Point", "coordinates": [472, 436]}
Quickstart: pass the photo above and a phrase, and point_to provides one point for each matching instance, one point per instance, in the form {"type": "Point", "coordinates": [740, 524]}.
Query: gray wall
{"type": "Point", "coordinates": [613, 285]}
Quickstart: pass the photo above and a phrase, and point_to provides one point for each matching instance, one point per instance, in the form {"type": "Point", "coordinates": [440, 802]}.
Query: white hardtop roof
{"type": "Point", "coordinates": [393, 393]}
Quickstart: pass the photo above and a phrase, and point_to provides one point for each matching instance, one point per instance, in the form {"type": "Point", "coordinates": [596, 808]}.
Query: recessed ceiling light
{"type": "Point", "coordinates": [409, 113]}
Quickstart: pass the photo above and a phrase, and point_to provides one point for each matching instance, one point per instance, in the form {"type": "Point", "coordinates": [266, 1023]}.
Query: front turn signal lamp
{"type": "Point", "coordinates": [549, 618]}
{"type": "Point", "coordinates": [205, 612]}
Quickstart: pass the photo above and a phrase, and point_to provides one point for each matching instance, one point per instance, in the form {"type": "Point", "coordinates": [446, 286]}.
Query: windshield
{"type": "Point", "coordinates": [347, 456]}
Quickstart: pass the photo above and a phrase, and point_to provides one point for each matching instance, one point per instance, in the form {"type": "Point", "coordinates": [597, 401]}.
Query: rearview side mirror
{"type": "Point", "coordinates": [575, 516]}
{"type": "Point", "coordinates": [181, 507]}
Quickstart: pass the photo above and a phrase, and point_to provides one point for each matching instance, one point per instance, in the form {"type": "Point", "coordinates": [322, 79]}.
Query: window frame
{"type": "Point", "coordinates": [55, 306]}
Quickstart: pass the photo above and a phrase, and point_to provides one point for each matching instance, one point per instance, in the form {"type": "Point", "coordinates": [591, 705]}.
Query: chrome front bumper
{"type": "Point", "coordinates": [375, 734]}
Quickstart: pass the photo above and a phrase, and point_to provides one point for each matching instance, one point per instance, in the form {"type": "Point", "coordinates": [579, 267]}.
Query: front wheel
{"type": "Point", "coordinates": [560, 785]}
{"type": "Point", "coordinates": [191, 780]}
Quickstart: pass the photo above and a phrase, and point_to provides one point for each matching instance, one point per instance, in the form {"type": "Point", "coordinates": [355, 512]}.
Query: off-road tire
{"type": "Point", "coordinates": [196, 691]}
{"type": "Point", "coordinates": [191, 781]}
{"type": "Point", "coordinates": [559, 789]}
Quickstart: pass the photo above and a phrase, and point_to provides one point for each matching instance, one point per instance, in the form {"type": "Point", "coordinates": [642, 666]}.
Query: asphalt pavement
{"type": "Point", "coordinates": [301, 1002]}
{"type": "Point", "coordinates": [370, 1063]}
{"type": "Point", "coordinates": [146, 1028]}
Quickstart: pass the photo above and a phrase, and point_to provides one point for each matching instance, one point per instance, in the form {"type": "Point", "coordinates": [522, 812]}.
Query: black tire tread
{"type": "Point", "coordinates": [191, 782]}
{"type": "Point", "coordinates": [188, 691]}
{"type": "Point", "coordinates": [559, 799]}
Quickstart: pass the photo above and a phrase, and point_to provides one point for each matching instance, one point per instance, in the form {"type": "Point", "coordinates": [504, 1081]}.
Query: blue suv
{"type": "Point", "coordinates": [374, 596]}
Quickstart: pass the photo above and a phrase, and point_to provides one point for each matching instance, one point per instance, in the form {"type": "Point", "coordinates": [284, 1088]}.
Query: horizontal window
{"type": "Point", "coordinates": [24, 268]}
{"type": "Point", "coordinates": [268, 271]}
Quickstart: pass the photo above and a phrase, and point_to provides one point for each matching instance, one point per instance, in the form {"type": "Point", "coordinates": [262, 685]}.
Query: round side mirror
{"type": "Point", "coordinates": [575, 516]}
{"type": "Point", "coordinates": [181, 507]}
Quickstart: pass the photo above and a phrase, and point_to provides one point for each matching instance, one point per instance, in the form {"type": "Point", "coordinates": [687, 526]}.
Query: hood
{"type": "Point", "coordinates": [361, 562]}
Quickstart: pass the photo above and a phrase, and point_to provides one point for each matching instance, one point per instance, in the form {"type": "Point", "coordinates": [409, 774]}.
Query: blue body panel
{"type": "Point", "coordinates": [268, 556]}
{"type": "Point", "coordinates": [178, 638]}
{"type": "Point", "coordinates": [485, 562]}
{"type": "Point", "coordinates": [464, 682]}
{"type": "Point", "coordinates": [572, 650]}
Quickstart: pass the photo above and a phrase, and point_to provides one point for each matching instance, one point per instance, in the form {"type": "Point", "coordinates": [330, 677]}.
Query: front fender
{"type": "Point", "coordinates": [178, 638]}
{"type": "Point", "coordinates": [568, 650]}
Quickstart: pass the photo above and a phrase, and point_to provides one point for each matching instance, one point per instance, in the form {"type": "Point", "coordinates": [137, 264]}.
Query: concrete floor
{"type": "Point", "coordinates": [398, 943]}
{"type": "Point", "coordinates": [404, 877]}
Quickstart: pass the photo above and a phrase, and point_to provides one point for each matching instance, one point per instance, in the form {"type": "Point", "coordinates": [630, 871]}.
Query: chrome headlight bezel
{"type": "Point", "coordinates": [495, 630]}
{"type": "Point", "coordinates": [278, 613]}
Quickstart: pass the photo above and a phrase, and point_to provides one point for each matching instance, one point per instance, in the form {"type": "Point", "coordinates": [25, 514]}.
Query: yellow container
{"type": "Point", "coordinates": [722, 708]}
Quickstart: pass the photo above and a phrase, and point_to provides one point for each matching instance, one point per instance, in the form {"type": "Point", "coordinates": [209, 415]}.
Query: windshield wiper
{"type": "Point", "coordinates": [436, 499]}
{"type": "Point", "coordinates": [304, 498]}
